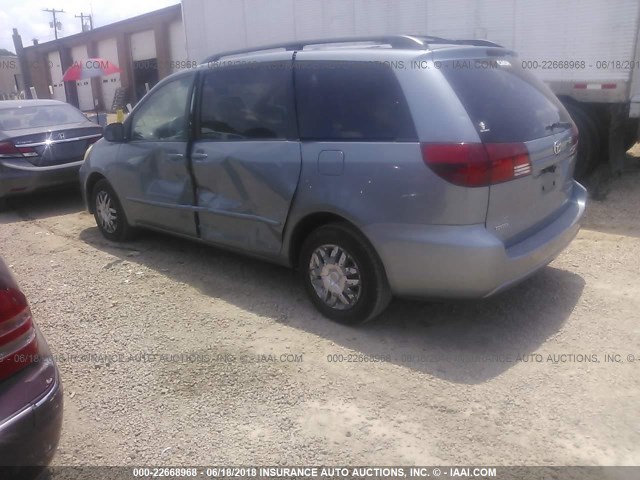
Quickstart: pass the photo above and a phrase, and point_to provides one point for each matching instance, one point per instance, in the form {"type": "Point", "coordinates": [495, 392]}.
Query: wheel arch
{"type": "Point", "coordinates": [375, 299]}
{"type": "Point", "coordinates": [311, 222]}
{"type": "Point", "coordinates": [93, 178]}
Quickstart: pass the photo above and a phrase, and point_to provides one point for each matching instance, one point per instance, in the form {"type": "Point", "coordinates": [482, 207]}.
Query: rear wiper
{"type": "Point", "coordinates": [558, 125]}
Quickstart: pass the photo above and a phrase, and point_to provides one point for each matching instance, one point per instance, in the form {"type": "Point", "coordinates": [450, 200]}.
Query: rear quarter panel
{"type": "Point", "coordinates": [387, 183]}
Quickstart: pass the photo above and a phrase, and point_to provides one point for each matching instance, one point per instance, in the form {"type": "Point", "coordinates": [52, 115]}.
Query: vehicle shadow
{"type": "Point", "coordinates": [465, 342]}
{"type": "Point", "coordinates": [616, 211]}
{"type": "Point", "coordinates": [49, 203]}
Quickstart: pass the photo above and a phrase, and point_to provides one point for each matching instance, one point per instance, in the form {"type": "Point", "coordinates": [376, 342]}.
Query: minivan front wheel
{"type": "Point", "coordinates": [109, 214]}
{"type": "Point", "coordinates": [342, 274]}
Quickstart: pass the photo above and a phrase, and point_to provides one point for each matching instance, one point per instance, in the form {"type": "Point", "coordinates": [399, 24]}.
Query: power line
{"type": "Point", "coordinates": [55, 22]}
{"type": "Point", "coordinates": [85, 26]}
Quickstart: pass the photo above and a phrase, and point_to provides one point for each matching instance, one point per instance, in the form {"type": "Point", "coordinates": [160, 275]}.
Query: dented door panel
{"type": "Point", "coordinates": [244, 191]}
{"type": "Point", "coordinates": [159, 191]}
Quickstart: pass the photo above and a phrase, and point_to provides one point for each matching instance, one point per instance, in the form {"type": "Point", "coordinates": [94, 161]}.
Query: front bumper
{"type": "Point", "coordinates": [468, 261]}
{"type": "Point", "coordinates": [19, 176]}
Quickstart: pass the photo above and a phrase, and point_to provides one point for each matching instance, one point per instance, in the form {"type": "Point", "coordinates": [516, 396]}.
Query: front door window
{"type": "Point", "coordinates": [163, 117]}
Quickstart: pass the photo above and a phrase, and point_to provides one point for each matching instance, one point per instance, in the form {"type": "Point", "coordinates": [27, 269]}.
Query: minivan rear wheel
{"type": "Point", "coordinates": [108, 213]}
{"type": "Point", "coordinates": [343, 275]}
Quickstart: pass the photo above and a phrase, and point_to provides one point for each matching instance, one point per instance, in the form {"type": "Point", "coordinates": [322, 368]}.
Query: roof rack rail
{"type": "Point", "coordinates": [409, 42]}
{"type": "Point", "coordinates": [450, 41]}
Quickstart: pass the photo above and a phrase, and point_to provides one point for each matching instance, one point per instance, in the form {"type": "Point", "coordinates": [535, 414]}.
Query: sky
{"type": "Point", "coordinates": [27, 16]}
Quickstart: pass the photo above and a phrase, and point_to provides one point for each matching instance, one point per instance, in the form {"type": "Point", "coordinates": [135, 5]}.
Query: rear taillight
{"type": "Point", "coordinates": [28, 151]}
{"type": "Point", "coordinates": [18, 341]}
{"type": "Point", "coordinates": [508, 161]}
{"type": "Point", "coordinates": [465, 164]}
{"type": "Point", "coordinates": [477, 164]}
{"type": "Point", "coordinates": [9, 150]}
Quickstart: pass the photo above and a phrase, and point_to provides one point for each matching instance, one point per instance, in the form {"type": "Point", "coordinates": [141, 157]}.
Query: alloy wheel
{"type": "Point", "coordinates": [335, 277]}
{"type": "Point", "coordinates": [107, 214]}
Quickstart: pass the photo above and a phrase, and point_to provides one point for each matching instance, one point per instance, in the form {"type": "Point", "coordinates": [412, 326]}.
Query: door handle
{"type": "Point", "coordinates": [175, 156]}
{"type": "Point", "coordinates": [198, 156]}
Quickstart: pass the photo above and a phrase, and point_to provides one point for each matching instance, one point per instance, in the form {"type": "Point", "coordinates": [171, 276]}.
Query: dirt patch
{"type": "Point", "coordinates": [240, 369]}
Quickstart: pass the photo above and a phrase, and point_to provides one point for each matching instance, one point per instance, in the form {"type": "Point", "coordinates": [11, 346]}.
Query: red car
{"type": "Point", "coordinates": [30, 388]}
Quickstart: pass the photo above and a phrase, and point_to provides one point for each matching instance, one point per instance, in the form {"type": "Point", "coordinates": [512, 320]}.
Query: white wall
{"type": "Point", "coordinates": [177, 45]}
{"type": "Point", "coordinates": [539, 30]}
{"type": "Point", "coordinates": [217, 25]}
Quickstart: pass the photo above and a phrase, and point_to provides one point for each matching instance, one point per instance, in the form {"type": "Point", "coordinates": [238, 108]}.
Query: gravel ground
{"type": "Point", "coordinates": [517, 379]}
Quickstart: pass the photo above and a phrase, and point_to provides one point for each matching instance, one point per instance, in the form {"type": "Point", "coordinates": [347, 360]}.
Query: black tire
{"type": "Point", "coordinates": [589, 144]}
{"type": "Point", "coordinates": [373, 294]}
{"type": "Point", "coordinates": [631, 133]}
{"type": "Point", "coordinates": [120, 231]}
{"type": "Point", "coordinates": [599, 115]}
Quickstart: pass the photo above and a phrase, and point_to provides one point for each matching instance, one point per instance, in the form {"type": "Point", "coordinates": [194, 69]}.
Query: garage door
{"type": "Point", "coordinates": [85, 92]}
{"type": "Point", "coordinates": [108, 49]}
{"type": "Point", "coordinates": [53, 64]}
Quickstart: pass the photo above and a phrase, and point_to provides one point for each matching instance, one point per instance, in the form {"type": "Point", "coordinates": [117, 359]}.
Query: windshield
{"type": "Point", "coordinates": [38, 116]}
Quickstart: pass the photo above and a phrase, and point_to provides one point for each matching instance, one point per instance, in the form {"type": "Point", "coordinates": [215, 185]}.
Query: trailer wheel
{"type": "Point", "coordinates": [589, 145]}
{"type": "Point", "coordinates": [599, 114]}
{"type": "Point", "coordinates": [631, 133]}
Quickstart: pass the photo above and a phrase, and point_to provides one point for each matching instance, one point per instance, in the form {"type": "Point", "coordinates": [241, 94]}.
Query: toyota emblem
{"type": "Point", "coordinates": [557, 146]}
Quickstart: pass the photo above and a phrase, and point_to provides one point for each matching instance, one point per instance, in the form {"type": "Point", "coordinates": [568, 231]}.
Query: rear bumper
{"type": "Point", "coordinates": [19, 176]}
{"type": "Point", "coordinates": [447, 261]}
{"type": "Point", "coordinates": [29, 438]}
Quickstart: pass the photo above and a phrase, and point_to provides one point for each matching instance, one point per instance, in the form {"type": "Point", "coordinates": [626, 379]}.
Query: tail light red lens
{"type": "Point", "coordinates": [508, 161]}
{"type": "Point", "coordinates": [477, 164]}
{"type": "Point", "coordinates": [464, 164]}
{"type": "Point", "coordinates": [18, 341]}
{"type": "Point", "coordinates": [9, 150]}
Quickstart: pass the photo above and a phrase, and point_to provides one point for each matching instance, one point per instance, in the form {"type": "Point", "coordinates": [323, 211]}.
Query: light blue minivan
{"type": "Point", "coordinates": [400, 165]}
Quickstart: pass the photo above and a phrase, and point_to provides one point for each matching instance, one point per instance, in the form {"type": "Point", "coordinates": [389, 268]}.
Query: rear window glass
{"type": "Point", "coordinates": [351, 101]}
{"type": "Point", "coordinates": [505, 102]}
{"type": "Point", "coordinates": [38, 116]}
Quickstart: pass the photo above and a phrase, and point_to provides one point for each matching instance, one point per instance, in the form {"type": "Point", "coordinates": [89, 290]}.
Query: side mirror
{"type": "Point", "coordinates": [114, 132]}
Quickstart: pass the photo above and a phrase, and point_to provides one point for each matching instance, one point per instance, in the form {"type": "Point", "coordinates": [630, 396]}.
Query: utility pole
{"type": "Point", "coordinates": [85, 26]}
{"type": "Point", "coordinates": [55, 22]}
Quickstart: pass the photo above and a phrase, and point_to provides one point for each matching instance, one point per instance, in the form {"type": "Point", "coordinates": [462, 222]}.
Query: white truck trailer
{"type": "Point", "coordinates": [588, 51]}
